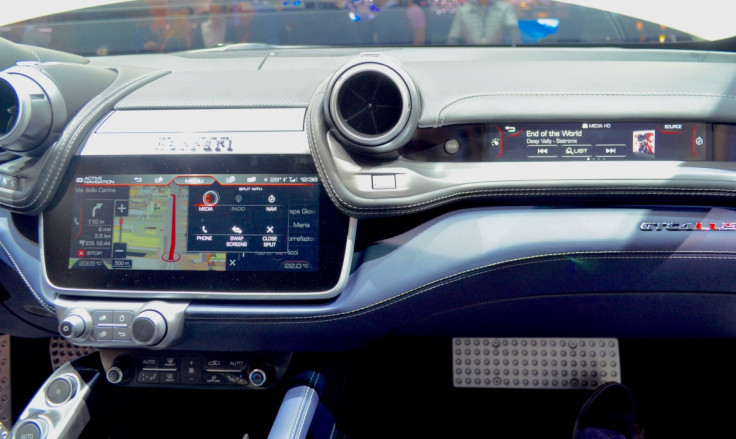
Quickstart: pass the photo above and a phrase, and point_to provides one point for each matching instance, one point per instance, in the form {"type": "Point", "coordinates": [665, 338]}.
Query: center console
{"type": "Point", "coordinates": [200, 206]}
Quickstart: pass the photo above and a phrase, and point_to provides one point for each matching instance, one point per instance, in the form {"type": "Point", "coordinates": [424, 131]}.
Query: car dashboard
{"type": "Point", "coordinates": [207, 220]}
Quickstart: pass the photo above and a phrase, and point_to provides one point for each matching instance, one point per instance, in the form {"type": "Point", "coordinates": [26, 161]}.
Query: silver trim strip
{"type": "Point", "coordinates": [194, 143]}
{"type": "Point", "coordinates": [193, 132]}
{"type": "Point", "coordinates": [206, 120]}
{"type": "Point", "coordinates": [173, 313]}
{"type": "Point", "coordinates": [191, 295]}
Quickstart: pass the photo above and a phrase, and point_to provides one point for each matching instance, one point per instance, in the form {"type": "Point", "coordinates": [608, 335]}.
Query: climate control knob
{"type": "Point", "coordinates": [148, 328]}
{"type": "Point", "coordinates": [73, 326]}
{"type": "Point", "coordinates": [260, 374]}
{"type": "Point", "coordinates": [121, 371]}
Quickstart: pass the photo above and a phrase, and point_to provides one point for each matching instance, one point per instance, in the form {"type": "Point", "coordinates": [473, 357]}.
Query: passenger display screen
{"type": "Point", "coordinates": [225, 224]}
{"type": "Point", "coordinates": [215, 222]}
{"type": "Point", "coordinates": [593, 141]}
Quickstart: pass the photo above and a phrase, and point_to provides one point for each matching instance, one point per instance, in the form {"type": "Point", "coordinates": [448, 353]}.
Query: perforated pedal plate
{"type": "Point", "coordinates": [63, 351]}
{"type": "Point", "coordinates": [5, 409]}
{"type": "Point", "coordinates": [535, 363]}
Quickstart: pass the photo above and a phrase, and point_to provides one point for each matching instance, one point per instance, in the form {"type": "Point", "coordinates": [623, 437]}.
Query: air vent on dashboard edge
{"type": "Point", "coordinates": [372, 104]}
{"type": "Point", "coordinates": [26, 113]}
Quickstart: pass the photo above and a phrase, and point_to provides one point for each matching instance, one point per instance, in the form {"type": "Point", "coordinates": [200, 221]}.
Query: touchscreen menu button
{"type": "Point", "coordinates": [576, 151]}
{"type": "Point", "coordinates": [611, 151]}
{"type": "Point", "coordinates": [542, 152]}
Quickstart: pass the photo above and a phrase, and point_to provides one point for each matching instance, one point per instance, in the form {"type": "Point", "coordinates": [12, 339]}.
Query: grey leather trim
{"type": "Point", "coordinates": [474, 242]}
{"type": "Point", "coordinates": [24, 256]}
{"type": "Point", "coordinates": [295, 414]}
{"type": "Point", "coordinates": [570, 85]}
{"type": "Point", "coordinates": [57, 158]}
{"type": "Point", "coordinates": [421, 186]}
{"type": "Point", "coordinates": [233, 82]}
{"type": "Point", "coordinates": [550, 84]}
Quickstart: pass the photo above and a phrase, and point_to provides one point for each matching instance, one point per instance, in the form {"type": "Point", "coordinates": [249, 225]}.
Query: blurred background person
{"type": "Point", "coordinates": [215, 30]}
{"type": "Point", "coordinates": [178, 35]}
{"type": "Point", "coordinates": [244, 21]}
{"type": "Point", "coordinates": [485, 22]}
{"type": "Point", "coordinates": [417, 21]}
{"type": "Point", "coordinates": [391, 25]}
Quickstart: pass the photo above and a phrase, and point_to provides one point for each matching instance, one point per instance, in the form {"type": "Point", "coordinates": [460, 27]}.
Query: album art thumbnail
{"type": "Point", "coordinates": [644, 142]}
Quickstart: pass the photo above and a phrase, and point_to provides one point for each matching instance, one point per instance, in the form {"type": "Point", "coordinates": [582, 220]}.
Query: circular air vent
{"type": "Point", "coordinates": [26, 115]}
{"type": "Point", "coordinates": [373, 105]}
{"type": "Point", "coordinates": [8, 107]}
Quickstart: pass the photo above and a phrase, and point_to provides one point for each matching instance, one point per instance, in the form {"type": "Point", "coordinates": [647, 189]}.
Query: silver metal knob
{"type": "Point", "coordinates": [73, 326]}
{"type": "Point", "coordinates": [148, 328]}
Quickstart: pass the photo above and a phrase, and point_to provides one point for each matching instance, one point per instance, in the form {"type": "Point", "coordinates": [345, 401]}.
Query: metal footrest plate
{"type": "Point", "coordinates": [63, 351]}
{"type": "Point", "coordinates": [535, 363]}
{"type": "Point", "coordinates": [5, 409]}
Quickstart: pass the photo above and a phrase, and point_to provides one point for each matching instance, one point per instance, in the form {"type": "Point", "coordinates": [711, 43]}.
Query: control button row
{"type": "Point", "coordinates": [110, 325]}
{"type": "Point", "coordinates": [112, 318]}
{"type": "Point", "coordinates": [111, 333]}
{"type": "Point", "coordinates": [199, 371]}
{"type": "Point", "coordinates": [577, 151]}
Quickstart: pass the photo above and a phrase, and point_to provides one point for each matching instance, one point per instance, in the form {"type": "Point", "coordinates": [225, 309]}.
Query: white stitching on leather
{"type": "Point", "coordinates": [441, 114]}
{"type": "Point", "coordinates": [17, 269]}
{"type": "Point", "coordinates": [472, 272]}
{"type": "Point", "coordinates": [496, 192]}
{"type": "Point", "coordinates": [298, 426]}
{"type": "Point", "coordinates": [89, 118]}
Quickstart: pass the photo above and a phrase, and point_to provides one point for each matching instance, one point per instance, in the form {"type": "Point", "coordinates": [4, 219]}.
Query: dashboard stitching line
{"type": "Point", "coordinates": [79, 130]}
{"type": "Point", "coordinates": [38, 298]}
{"type": "Point", "coordinates": [440, 118]}
{"type": "Point", "coordinates": [496, 266]}
{"type": "Point", "coordinates": [410, 208]}
{"type": "Point", "coordinates": [315, 147]}
{"type": "Point", "coordinates": [86, 121]}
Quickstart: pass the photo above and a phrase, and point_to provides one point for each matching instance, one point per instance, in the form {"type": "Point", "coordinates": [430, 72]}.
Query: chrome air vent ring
{"type": "Point", "coordinates": [372, 104]}
{"type": "Point", "coordinates": [31, 111]}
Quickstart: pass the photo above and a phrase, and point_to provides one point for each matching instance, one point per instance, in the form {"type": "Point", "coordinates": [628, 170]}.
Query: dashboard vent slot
{"type": "Point", "coordinates": [372, 104]}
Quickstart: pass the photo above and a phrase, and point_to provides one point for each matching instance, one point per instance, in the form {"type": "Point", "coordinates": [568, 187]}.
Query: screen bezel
{"type": "Point", "coordinates": [333, 232]}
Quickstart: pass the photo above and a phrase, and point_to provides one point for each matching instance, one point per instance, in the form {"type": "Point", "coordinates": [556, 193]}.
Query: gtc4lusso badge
{"type": "Point", "coordinates": [689, 227]}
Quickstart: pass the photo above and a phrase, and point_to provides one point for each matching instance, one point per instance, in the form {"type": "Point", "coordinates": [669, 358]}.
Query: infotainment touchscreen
{"type": "Point", "coordinates": [597, 141]}
{"type": "Point", "coordinates": [262, 222]}
{"type": "Point", "coordinates": [250, 222]}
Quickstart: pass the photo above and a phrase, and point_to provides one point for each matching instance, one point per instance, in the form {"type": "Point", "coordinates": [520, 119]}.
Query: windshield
{"type": "Point", "coordinates": [175, 25]}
